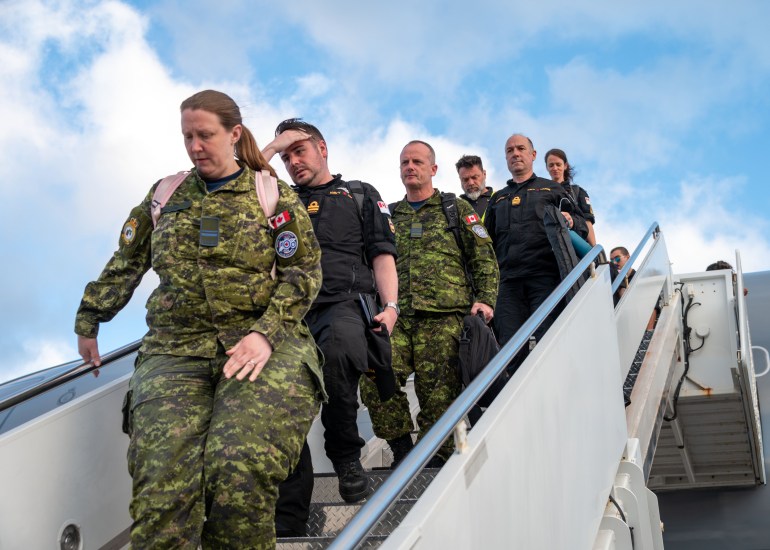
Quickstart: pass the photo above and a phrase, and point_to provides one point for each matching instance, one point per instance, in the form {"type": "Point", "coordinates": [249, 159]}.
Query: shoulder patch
{"type": "Point", "coordinates": [128, 235]}
{"type": "Point", "coordinates": [383, 207]}
{"type": "Point", "coordinates": [286, 244]}
{"type": "Point", "coordinates": [280, 219]}
{"type": "Point", "coordinates": [473, 218]}
{"type": "Point", "coordinates": [480, 231]}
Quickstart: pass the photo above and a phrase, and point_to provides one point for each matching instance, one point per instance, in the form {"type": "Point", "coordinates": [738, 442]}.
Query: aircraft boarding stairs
{"type": "Point", "coordinates": [557, 461]}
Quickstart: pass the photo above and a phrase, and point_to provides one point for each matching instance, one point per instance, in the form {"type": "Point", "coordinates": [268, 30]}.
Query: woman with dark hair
{"type": "Point", "coordinates": [227, 380]}
{"type": "Point", "coordinates": [561, 171]}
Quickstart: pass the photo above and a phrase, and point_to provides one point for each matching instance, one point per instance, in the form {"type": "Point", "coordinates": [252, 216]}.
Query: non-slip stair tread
{"type": "Point", "coordinates": [320, 543]}
{"type": "Point", "coordinates": [326, 486]}
{"type": "Point", "coordinates": [329, 520]}
{"type": "Point", "coordinates": [329, 514]}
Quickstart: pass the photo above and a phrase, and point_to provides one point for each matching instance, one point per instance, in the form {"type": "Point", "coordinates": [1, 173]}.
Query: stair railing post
{"type": "Point", "coordinates": [461, 437]}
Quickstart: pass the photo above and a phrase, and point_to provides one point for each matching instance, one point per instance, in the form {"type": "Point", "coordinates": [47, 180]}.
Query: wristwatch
{"type": "Point", "coordinates": [394, 305]}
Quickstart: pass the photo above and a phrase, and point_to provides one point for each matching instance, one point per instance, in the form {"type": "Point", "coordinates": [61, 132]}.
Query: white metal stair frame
{"type": "Point", "coordinates": [548, 447]}
{"type": "Point", "coordinates": [535, 472]}
{"type": "Point", "coordinates": [517, 471]}
{"type": "Point", "coordinates": [631, 519]}
{"type": "Point", "coordinates": [716, 439]}
{"type": "Point", "coordinates": [66, 467]}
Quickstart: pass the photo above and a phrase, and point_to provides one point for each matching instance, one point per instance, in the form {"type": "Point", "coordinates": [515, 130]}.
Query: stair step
{"type": "Point", "coordinates": [326, 488]}
{"type": "Point", "coordinates": [320, 543]}
{"type": "Point", "coordinates": [330, 519]}
{"type": "Point", "coordinates": [329, 514]}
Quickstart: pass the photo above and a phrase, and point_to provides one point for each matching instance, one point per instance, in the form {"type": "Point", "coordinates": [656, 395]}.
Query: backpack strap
{"type": "Point", "coordinates": [575, 189]}
{"type": "Point", "coordinates": [449, 205]}
{"type": "Point", "coordinates": [163, 192]}
{"type": "Point", "coordinates": [266, 186]}
{"type": "Point", "coordinates": [357, 190]}
{"type": "Point", "coordinates": [267, 192]}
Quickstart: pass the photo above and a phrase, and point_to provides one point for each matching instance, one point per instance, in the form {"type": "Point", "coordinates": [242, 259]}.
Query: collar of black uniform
{"type": "Point", "coordinates": [336, 180]}
{"type": "Point", "coordinates": [512, 183]}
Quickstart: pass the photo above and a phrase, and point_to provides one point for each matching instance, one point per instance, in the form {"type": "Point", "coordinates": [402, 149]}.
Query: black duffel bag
{"type": "Point", "coordinates": [478, 346]}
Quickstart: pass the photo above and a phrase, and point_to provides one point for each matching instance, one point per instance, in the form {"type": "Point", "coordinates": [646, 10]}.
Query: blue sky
{"type": "Point", "coordinates": [661, 106]}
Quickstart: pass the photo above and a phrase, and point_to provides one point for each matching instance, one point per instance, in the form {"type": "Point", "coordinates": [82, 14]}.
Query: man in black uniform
{"type": "Point", "coordinates": [357, 240]}
{"type": "Point", "coordinates": [514, 220]}
{"type": "Point", "coordinates": [473, 179]}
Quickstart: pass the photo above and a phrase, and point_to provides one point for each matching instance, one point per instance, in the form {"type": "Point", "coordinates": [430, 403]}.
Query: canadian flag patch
{"type": "Point", "coordinates": [383, 207]}
{"type": "Point", "coordinates": [473, 218]}
{"type": "Point", "coordinates": [280, 220]}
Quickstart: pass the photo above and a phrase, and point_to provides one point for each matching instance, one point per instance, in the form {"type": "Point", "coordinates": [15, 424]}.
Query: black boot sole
{"type": "Point", "coordinates": [353, 497]}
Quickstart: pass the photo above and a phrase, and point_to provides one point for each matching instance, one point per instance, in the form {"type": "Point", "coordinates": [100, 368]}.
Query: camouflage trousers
{"type": "Point", "coordinates": [428, 346]}
{"type": "Point", "coordinates": [207, 453]}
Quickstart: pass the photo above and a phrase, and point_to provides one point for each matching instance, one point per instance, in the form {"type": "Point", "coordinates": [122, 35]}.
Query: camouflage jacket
{"type": "Point", "coordinates": [431, 276]}
{"type": "Point", "coordinates": [210, 293]}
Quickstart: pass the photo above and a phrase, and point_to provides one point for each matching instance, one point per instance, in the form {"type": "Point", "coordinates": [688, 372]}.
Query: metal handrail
{"type": "Point", "coordinates": [740, 308]}
{"type": "Point", "coordinates": [653, 231]}
{"type": "Point", "coordinates": [75, 372]}
{"type": "Point", "coordinates": [396, 483]}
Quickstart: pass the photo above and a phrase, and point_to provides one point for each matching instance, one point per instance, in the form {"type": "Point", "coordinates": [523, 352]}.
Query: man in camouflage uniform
{"type": "Point", "coordinates": [207, 446]}
{"type": "Point", "coordinates": [434, 294]}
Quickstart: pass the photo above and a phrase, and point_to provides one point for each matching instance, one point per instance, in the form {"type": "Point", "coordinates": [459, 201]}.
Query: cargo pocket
{"type": "Point", "coordinates": [128, 420]}
{"type": "Point", "coordinates": [314, 367]}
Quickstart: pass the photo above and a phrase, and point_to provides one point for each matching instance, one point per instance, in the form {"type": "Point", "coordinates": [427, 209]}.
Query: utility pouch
{"type": "Point", "coordinates": [379, 357]}
{"type": "Point", "coordinates": [128, 420]}
{"type": "Point", "coordinates": [477, 347]}
{"type": "Point", "coordinates": [369, 306]}
{"type": "Point", "coordinates": [209, 232]}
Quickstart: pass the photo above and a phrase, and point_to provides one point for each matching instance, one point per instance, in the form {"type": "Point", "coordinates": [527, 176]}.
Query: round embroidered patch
{"type": "Point", "coordinates": [392, 227]}
{"type": "Point", "coordinates": [480, 230]}
{"type": "Point", "coordinates": [129, 231]}
{"type": "Point", "coordinates": [286, 244]}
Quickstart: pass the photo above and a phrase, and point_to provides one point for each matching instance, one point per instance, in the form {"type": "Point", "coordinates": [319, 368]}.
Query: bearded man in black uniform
{"type": "Point", "coordinates": [473, 179]}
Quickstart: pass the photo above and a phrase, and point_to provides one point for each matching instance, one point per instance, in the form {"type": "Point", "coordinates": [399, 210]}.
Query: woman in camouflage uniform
{"type": "Point", "coordinates": [209, 446]}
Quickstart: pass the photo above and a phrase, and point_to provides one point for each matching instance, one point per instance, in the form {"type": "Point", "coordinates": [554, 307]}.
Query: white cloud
{"type": "Point", "coordinates": [435, 43]}
{"type": "Point", "coordinates": [90, 120]}
{"type": "Point", "coordinates": [38, 355]}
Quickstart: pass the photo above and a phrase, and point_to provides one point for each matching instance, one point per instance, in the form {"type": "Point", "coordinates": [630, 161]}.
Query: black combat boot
{"type": "Point", "coordinates": [400, 447]}
{"type": "Point", "coordinates": [354, 485]}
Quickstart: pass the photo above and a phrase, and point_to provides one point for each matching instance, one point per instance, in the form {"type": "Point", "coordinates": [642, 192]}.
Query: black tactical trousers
{"type": "Point", "coordinates": [517, 299]}
{"type": "Point", "coordinates": [339, 332]}
{"type": "Point", "coordinates": [292, 509]}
